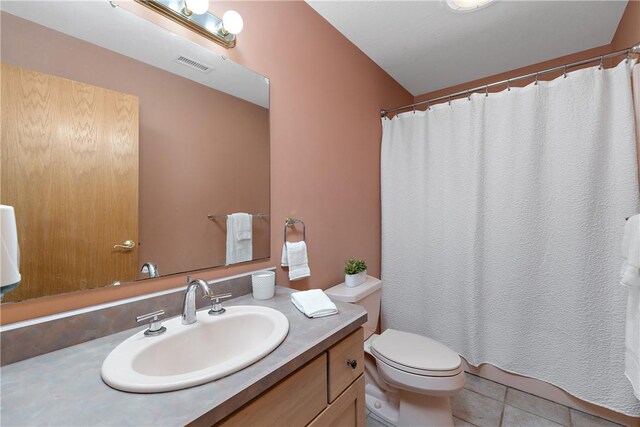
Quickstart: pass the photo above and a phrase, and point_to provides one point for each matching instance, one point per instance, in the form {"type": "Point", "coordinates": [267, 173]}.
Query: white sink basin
{"type": "Point", "coordinates": [189, 355]}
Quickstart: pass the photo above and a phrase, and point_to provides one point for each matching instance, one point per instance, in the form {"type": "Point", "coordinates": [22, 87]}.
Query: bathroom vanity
{"type": "Point", "coordinates": [313, 378]}
{"type": "Point", "coordinates": [327, 391]}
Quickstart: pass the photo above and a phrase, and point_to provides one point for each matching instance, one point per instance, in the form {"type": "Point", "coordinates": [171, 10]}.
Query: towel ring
{"type": "Point", "coordinates": [289, 222]}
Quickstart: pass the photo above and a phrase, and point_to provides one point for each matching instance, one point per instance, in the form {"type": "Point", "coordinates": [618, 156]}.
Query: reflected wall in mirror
{"type": "Point", "coordinates": [125, 146]}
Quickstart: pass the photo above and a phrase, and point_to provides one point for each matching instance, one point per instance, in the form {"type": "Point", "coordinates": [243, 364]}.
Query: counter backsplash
{"type": "Point", "coordinates": [23, 342]}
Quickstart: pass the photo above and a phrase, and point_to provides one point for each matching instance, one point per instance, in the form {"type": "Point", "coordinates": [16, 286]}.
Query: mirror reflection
{"type": "Point", "coordinates": [127, 152]}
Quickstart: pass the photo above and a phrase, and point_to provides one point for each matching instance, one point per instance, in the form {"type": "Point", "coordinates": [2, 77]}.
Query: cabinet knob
{"type": "Point", "coordinates": [353, 363]}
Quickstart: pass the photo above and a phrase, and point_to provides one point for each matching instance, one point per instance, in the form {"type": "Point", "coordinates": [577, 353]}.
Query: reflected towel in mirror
{"type": "Point", "coordinates": [239, 238]}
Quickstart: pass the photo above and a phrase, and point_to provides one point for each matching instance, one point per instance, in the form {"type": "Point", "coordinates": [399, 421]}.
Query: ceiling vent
{"type": "Point", "coordinates": [188, 62]}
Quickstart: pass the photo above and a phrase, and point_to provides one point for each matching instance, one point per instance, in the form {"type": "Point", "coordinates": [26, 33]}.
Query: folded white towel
{"type": "Point", "coordinates": [297, 260]}
{"type": "Point", "coordinates": [239, 238]}
{"type": "Point", "coordinates": [631, 279]}
{"type": "Point", "coordinates": [631, 253]}
{"type": "Point", "coordinates": [314, 303]}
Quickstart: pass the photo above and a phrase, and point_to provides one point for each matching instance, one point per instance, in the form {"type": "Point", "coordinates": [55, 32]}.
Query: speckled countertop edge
{"type": "Point", "coordinates": [64, 387]}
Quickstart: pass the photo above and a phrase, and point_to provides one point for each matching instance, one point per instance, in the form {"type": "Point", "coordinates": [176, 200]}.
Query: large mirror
{"type": "Point", "coordinates": [128, 152]}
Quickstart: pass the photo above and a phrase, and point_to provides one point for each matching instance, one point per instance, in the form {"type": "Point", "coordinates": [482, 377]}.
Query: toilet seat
{"type": "Point", "coordinates": [415, 354]}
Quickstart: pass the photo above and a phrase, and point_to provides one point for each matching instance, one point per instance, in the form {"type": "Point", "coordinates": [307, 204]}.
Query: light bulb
{"type": "Point", "coordinates": [468, 5]}
{"type": "Point", "coordinates": [199, 7]}
{"type": "Point", "coordinates": [232, 22]}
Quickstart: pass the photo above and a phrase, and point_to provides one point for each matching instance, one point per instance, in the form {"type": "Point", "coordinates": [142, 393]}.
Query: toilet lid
{"type": "Point", "coordinates": [416, 353]}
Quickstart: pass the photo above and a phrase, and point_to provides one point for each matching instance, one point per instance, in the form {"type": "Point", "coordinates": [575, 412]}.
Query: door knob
{"type": "Point", "coordinates": [127, 245]}
{"type": "Point", "coordinates": [352, 363]}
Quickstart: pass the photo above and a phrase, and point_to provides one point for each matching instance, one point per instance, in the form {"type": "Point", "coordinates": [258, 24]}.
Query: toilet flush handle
{"type": "Point", "coordinates": [353, 363]}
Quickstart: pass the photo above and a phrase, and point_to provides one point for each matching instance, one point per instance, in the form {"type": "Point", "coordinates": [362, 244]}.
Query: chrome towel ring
{"type": "Point", "coordinates": [289, 222]}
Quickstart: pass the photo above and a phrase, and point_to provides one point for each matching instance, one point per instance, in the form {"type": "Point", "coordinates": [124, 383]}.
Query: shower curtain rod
{"type": "Point", "coordinates": [631, 50]}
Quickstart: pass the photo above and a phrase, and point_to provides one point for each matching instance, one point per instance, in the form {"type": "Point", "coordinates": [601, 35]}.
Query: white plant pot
{"type": "Point", "coordinates": [352, 280]}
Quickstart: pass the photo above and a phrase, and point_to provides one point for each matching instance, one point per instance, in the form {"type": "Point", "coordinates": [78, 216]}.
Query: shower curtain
{"type": "Point", "coordinates": [502, 220]}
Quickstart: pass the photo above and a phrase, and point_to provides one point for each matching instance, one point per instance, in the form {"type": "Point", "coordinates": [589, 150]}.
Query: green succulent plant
{"type": "Point", "coordinates": [354, 266]}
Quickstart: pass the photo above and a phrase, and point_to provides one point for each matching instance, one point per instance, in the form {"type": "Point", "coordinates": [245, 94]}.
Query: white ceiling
{"type": "Point", "coordinates": [426, 46]}
{"type": "Point", "coordinates": [125, 33]}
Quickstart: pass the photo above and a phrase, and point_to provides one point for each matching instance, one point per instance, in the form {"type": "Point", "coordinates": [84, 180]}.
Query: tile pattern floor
{"type": "Point", "coordinates": [484, 403]}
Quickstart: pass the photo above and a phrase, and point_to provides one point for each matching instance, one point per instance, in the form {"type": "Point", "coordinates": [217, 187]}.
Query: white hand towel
{"type": "Point", "coordinates": [631, 253]}
{"type": "Point", "coordinates": [297, 260]}
{"type": "Point", "coordinates": [631, 279]}
{"type": "Point", "coordinates": [314, 303]}
{"type": "Point", "coordinates": [239, 238]}
{"type": "Point", "coordinates": [284, 260]}
{"type": "Point", "coordinates": [632, 340]}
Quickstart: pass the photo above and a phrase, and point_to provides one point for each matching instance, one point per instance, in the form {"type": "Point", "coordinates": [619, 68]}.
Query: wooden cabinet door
{"type": "Point", "coordinates": [293, 402]}
{"type": "Point", "coordinates": [70, 170]}
{"type": "Point", "coordinates": [348, 410]}
{"type": "Point", "coordinates": [346, 363]}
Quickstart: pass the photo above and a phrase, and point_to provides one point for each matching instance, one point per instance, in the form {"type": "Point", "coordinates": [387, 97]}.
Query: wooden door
{"type": "Point", "coordinates": [70, 170]}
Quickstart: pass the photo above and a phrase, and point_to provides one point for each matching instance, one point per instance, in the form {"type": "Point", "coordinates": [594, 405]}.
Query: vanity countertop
{"type": "Point", "coordinates": [65, 388]}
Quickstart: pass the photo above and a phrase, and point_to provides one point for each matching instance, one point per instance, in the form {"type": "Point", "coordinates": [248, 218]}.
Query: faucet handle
{"type": "Point", "coordinates": [155, 324]}
{"type": "Point", "coordinates": [216, 306]}
{"type": "Point", "coordinates": [218, 297]}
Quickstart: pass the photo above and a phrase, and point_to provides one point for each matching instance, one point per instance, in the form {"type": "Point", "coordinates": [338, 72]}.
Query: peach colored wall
{"type": "Point", "coordinates": [628, 32]}
{"type": "Point", "coordinates": [601, 50]}
{"type": "Point", "coordinates": [325, 139]}
{"type": "Point", "coordinates": [191, 136]}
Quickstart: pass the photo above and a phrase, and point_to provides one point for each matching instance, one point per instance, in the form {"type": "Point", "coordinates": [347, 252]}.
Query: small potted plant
{"type": "Point", "coordinates": [355, 272]}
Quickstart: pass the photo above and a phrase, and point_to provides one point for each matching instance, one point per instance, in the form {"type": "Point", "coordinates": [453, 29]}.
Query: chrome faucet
{"type": "Point", "coordinates": [189, 304]}
{"type": "Point", "coordinates": [151, 268]}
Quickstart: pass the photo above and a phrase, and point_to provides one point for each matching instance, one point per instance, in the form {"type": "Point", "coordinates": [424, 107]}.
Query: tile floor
{"type": "Point", "coordinates": [484, 403]}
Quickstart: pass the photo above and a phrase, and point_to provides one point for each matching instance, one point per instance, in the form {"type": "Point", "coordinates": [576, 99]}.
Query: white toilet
{"type": "Point", "coordinates": [409, 377]}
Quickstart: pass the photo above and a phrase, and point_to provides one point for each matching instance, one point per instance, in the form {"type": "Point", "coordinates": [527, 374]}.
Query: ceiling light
{"type": "Point", "coordinates": [195, 15]}
{"type": "Point", "coordinates": [468, 5]}
{"type": "Point", "coordinates": [232, 22]}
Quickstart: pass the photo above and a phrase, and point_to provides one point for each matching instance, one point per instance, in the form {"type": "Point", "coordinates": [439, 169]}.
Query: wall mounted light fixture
{"type": "Point", "coordinates": [194, 15]}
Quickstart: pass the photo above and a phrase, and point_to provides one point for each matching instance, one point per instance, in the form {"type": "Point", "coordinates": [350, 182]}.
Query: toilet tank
{"type": "Point", "coordinates": [366, 295]}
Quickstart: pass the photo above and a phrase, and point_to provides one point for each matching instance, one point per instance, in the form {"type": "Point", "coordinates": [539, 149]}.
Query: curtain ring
{"type": "Point", "coordinates": [601, 60]}
{"type": "Point", "coordinates": [565, 71]}
{"type": "Point", "coordinates": [449, 101]}
{"type": "Point", "coordinates": [509, 85]}
{"type": "Point", "coordinates": [536, 82]}
{"type": "Point", "coordinates": [414, 109]}
{"type": "Point", "coordinates": [486, 91]}
{"type": "Point", "coordinates": [626, 61]}
{"type": "Point", "coordinates": [468, 96]}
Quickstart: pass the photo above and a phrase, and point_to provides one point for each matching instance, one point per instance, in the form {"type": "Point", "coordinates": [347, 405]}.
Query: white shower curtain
{"type": "Point", "coordinates": [502, 219]}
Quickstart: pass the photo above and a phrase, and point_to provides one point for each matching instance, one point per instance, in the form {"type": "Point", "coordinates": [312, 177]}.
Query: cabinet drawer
{"type": "Point", "coordinates": [348, 410]}
{"type": "Point", "coordinates": [295, 401]}
{"type": "Point", "coordinates": [341, 371]}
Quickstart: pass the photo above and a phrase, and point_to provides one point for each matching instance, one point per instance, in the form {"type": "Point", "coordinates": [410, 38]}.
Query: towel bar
{"type": "Point", "coordinates": [217, 217]}
{"type": "Point", "coordinates": [289, 222]}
